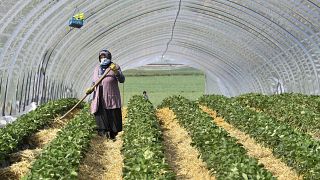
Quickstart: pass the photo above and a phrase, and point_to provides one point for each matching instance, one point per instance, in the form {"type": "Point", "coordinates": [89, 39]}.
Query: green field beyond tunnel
{"type": "Point", "coordinates": [159, 84]}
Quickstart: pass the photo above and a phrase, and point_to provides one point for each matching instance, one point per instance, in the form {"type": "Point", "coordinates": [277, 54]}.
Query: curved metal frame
{"type": "Point", "coordinates": [243, 46]}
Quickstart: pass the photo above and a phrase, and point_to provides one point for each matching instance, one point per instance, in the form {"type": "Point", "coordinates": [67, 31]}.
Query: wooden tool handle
{"type": "Point", "coordinates": [84, 97]}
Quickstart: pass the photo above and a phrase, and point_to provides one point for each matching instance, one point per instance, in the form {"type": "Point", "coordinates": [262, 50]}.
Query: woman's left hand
{"type": "Point", "coordinates": [113, 67]}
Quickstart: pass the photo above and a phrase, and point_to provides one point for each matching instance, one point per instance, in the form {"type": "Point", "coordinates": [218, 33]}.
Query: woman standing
{"type": "Point", "coordinates": [106, 104]}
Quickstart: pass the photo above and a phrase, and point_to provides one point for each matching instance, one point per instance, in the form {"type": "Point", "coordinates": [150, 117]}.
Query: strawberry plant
{"type": "Point", "coordinates": [297, 149]}
{"type": "Point", "coordinates": [299, 111]}
{"type": "Point", "coordinates": [13, 134]}
{"type": "Point", "coordinates": [61, 158]}
{"type": "Point", "coordinates": [222, 154]}
{"type": "Point", "coordinates": [142, 148]}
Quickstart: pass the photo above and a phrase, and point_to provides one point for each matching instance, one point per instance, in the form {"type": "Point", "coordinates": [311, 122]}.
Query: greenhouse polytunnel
{"type": "Point", "coordinates": [49, 48]}
{"type": "Point", "coordinates": [241, 46]}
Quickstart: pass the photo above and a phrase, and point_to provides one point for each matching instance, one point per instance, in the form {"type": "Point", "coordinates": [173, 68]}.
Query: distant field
{"type": "Point", "coordinates": [181, 71]}
{"type": "Point", "coordinates": [161, 85]}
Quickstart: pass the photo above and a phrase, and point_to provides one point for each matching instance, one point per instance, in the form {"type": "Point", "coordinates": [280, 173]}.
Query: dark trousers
{"type": "Point", "coordinates": [108, 120]}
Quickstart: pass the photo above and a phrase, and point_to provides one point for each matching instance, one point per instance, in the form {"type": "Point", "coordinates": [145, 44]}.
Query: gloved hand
{"type": "Point", "coordinates": [113, 67]}
{"type": "Point", "coordinates": [89, 90]}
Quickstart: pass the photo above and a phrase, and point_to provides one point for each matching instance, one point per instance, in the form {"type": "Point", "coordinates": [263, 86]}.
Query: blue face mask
{"type": "Point", "coordinates": [105, 61]}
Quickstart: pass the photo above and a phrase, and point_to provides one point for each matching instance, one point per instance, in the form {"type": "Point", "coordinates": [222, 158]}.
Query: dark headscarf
{"type": "Point", "coordinates": [104, 67]}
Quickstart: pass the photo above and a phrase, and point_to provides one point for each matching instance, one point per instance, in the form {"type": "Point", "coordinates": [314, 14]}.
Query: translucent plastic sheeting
{"type": "Point", "coordinates": [268, 46]}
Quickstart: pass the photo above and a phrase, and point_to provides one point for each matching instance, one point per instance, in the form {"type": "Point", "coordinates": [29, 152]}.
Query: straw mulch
{"type": "Point", "coordinates": [262, 154]}
{"type": "Point", "coordinates": [21, 161]}
{"type": "Point", "coordinates": [15, 171]}
{"type": "Point", "coordinates": [315, 135]}
{"type": "Point", "coordinates": [181, 156]}
{"type": "Point", "coordinates": [44, 136]}
{"type": "Point", "coordinates": [103, 159]}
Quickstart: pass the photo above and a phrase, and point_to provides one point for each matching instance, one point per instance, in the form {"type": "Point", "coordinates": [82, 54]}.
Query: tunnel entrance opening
{"type": "Point", "coordinates": [163, 80]}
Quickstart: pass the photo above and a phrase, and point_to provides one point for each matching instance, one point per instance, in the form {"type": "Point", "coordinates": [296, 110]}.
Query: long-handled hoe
{"type": "Point", "coordinates": [84, 97]}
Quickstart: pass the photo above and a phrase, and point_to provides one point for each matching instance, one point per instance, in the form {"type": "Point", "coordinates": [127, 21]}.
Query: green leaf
{"type": "Point", "coordinates": [245, 177]}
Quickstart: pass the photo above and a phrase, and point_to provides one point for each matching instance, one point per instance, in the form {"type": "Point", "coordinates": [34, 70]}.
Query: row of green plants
{"type": "Point", "coordinates": [61, 158]}
{"type": "Point", "coordinates": [300, 111]}
{"type": "Point", "coordinates": [297, 149]}
{"type": "Point", "coordinates": [143, 148]}
{"type": "Point", "coordinates": [222, 153]}
{"type": "Point", "coordinates": [14, 134]}
{"type": "Point", "coordinates": [309, 101]}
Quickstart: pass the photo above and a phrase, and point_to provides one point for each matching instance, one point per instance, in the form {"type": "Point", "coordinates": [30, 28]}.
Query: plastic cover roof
{"type": "Point", "coordinates": [242, 46]}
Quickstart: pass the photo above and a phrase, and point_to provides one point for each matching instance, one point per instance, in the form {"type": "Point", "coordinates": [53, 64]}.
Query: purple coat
{"type": "Point", "coordinates": [111, 92]}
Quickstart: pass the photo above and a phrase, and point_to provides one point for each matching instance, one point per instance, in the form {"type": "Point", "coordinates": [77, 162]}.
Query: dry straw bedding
{"type": "Point", "coordinates": [254, 149]}
{"type": "Point", "coordinates": [181, 156]}
{"type": "Point", "coordinates": [103, 159]}
{"type": "Point", "coordinates": [21, 161]}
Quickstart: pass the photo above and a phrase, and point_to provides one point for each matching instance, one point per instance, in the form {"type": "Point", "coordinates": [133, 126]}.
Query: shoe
{"type": "Point", "coordinates": [113, 135]}
{"type": "Point", "coordinates": [100, 133]}
{"type": "Point", "coordinates": [107, 134]}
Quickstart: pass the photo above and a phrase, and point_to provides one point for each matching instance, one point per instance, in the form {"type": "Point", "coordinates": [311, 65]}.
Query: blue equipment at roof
{"type": "Point", "coordinates": [77, 20]}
